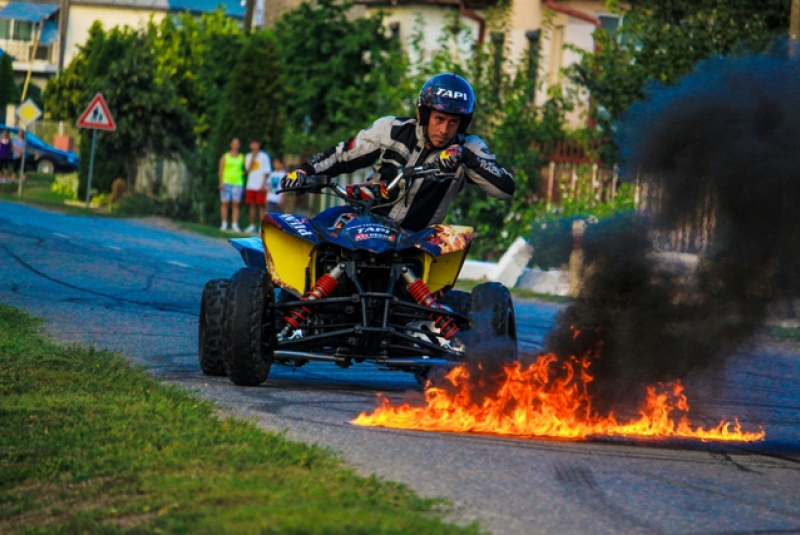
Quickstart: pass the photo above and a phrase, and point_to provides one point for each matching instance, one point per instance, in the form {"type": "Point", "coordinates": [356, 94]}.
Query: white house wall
{"type": "Point", "coordinates": [526, 16]}
{"type": "Point", "coordinates": [81, 19]}
{"type": "Point", "coordinates": [435, 19]}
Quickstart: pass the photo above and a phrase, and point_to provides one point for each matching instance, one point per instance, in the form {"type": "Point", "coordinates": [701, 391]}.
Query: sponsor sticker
{"type": "Point", "coordinates": [297, 223]}
{"type": "Point", "coordinates": [374, 232]}
{"type": "Point", "coordinates": [447, 93]}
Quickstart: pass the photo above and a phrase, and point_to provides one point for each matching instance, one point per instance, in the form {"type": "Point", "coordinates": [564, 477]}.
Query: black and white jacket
{"type": "Point", "coordinates": [391, 143]}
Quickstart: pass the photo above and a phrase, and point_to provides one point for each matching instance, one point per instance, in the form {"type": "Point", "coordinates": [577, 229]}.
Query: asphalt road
{"type": "Point", "coordinates": [135, 285]}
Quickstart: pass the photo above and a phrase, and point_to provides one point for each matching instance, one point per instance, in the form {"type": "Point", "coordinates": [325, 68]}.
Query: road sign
{"type": "Point", "coordinates": [28, 113]}
{"type": "Point", "coordinates": [97, 115]}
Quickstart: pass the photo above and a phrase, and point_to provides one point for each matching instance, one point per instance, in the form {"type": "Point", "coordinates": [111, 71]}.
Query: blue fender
{"type": "Point", "coordinates": [252, 251]}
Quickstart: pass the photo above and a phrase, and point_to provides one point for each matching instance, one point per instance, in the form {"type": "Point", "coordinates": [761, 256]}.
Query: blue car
{"type": "Point", "coordinates": [42, 157]}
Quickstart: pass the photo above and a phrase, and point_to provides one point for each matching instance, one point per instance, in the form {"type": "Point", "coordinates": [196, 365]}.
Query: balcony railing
{"type": "Point", "coordinates": [21, 51]}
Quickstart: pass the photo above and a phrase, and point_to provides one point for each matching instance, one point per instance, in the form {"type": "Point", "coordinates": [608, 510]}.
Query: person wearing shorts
{"type": "Point", "coordinates": [258, 166]}
{"type": "Point", "coordinates": [231, 183]}
{"type": "Point", "coordinates": [275, 199]}
{"type": "Point", "coordinates": [5, 155]}
{"type": "Point", "coordinates": [18, 148]}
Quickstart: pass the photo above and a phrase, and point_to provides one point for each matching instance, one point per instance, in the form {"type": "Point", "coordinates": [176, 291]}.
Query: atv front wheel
{"type": "Point", "coordinates": [249, 329]}
{"type": "Point", "coordinates": [210, 341]}
{"type": "Point", "coordinates": [492, 315]}
{"type": "Point", "coordinates": [459, 301]}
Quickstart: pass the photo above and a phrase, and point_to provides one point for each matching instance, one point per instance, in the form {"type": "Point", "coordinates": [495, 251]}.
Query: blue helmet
{"type": "Point", "coordinates": [447, 93]}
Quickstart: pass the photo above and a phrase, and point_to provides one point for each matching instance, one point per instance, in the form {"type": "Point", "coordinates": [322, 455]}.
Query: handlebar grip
{"type": "Point", "coordinates": [414, 169]}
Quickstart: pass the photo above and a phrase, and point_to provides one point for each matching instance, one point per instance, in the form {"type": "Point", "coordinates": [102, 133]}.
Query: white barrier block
{"type": "Point", "coordinates": [477, 270]}
{"type": "Point", "coordinates": [512, 264]}
{"type": "Point", "coordinates": [552, 282]}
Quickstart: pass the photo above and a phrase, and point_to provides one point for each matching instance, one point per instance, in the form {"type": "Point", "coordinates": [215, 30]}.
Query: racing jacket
{"type": "Point", "coordinates": [391, 143]}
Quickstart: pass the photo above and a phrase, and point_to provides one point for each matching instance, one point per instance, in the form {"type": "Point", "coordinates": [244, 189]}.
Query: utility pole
{"type": "Point", "coordinates": [63, 21]}
{"type": "Point", "coordinates": [31, 60]}
{"type": "Point", "coordinates": [248, 15]}
{"type": "Point", "coordinates": [794, 21]}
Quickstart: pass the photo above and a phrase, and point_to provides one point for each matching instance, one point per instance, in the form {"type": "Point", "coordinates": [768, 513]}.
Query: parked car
{"type": "Point", "coordinates": [44, 158]}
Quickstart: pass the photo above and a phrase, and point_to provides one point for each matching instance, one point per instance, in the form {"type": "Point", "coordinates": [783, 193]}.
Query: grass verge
{"type": "Point", "coordinates": [783, 334]}
{"type": "Point", "coordinates": [211, 231]}
{"type": "Point", "coordinates": [91, 444]}
{"type": "Point", "coordinates": [37, 190]}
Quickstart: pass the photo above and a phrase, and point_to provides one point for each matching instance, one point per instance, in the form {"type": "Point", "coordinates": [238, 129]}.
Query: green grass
{"type": "Point", "coordinates": [468, 284]}
{"type": "Point", "coordinates": [36, 190]}
{"type": "Point", "coordinates": [91, 444]}
{"type": "Point", "coordinates": [212, 231]}
{"type": "Point", "coordinates": [783, 334]}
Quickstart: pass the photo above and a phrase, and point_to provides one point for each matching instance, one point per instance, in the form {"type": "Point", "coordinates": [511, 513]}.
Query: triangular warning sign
{"type": "Point", "coordinates": [97, 115]}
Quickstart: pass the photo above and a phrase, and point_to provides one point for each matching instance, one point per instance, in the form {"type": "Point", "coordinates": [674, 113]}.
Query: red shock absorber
{"type": "Point", "coordinates": [422, 295]}
{"type": "Point", "coordinates": [322, 289]}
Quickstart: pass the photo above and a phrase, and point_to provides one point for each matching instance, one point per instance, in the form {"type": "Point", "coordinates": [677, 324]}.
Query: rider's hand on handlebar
{"type": "Point", "coordinates": [449, 158]}
{"type": "Point", "coordinates": [297, 179]}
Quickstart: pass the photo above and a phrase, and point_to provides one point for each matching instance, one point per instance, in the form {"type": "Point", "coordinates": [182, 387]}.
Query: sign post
{"type": "Point", "coordinates": [96, 117]}
{"type": "Point", "coordinates": [28, 113]}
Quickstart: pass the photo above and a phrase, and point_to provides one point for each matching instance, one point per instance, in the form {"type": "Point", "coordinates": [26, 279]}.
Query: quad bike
{"type": "Point", "coordinates": [349, 286]}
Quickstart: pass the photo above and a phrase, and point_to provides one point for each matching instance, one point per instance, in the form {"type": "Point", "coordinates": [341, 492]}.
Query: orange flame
{"type": "Point", "coordinates": [540, 402]}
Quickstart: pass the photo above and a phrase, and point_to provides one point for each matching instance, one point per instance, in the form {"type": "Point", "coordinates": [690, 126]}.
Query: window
{"type": "Point", "coordinates": [394, 28]}
{"type": "Point", "coordinates": [610, 23]}
{"type": "Point", "coordinates": [23, 31]}
{"type": "Point", "coordinates": [556, 55]}
{"type": "Point", "coordinates": [43, 53]}
{"type": "Point", "coordinates": [5, 29]}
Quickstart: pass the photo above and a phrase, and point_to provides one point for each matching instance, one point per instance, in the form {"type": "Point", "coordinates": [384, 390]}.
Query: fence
{"type": "Point", "coordinates": [575, 172]}
{"type": "Point", "coordinates": [692, 233]}
{"type": "Point", "coordinates": [578, 182]}
{"type": "Point", "coordinates": [48, 130]}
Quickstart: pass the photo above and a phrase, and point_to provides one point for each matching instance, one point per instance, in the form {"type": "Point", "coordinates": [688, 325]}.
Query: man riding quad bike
{"type": "Point", "coordinates": [370, 280]}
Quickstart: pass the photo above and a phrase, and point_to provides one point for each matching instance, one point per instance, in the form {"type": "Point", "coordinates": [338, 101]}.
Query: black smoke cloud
{"type": "Point", "coordinates": [728, 134]}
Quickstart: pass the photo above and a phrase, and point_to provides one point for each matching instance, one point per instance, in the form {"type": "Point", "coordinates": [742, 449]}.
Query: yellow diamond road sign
{"type": "Point", "coordinates": [28, 112]}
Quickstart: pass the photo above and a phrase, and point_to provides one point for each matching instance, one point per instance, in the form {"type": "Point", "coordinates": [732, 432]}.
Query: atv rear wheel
{"type": "Point", "coordinates": [210, 341]}
{"type": "Point", "coordinates": [492, 315]}
{"type": "Point", "coordinates": [249, 329]}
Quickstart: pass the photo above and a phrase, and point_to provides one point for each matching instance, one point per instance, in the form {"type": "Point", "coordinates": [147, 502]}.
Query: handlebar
{"type": "Point", "coordinates": [427, 170]}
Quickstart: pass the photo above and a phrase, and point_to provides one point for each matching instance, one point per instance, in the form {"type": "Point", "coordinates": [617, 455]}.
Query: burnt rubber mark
{"type": "Point", "coordinates": [579, 483]}
{"type": "Point", "coordinates": [161, 307]}
{"type": "Point", "coordinates": [727, 459]}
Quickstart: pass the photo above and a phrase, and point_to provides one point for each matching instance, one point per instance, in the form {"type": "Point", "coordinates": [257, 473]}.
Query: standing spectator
{"type": "Point", "coordinates": [258, 168]}
{"type": "Point", "coordinates": [19, 153]}
{"type": "Point", "coordinates": [231, 180]}
{"type": "Point", "coordinates": [6, 154]}
{"type": "Point", "coordinates": [275, 199]}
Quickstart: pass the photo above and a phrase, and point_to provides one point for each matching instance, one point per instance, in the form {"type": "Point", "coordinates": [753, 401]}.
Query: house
{"type": "Point", "coordinates": [33, 32]}
{"type": "Point", "coordinates": [548, 27]}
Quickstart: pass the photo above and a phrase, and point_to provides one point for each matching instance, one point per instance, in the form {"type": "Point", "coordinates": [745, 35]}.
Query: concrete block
{"type": "Point", "coordinates": [552, 282]}
{"type": "Point", "coordinates": [513, 263]}
{"type": "Point", "coordinates": [477, 270]}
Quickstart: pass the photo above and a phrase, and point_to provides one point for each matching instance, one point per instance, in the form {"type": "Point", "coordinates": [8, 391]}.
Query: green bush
{"type": "Point", "coordinates": [66, 185]}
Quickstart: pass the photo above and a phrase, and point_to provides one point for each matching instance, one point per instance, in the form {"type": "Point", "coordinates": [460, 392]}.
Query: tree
{"type": "Point", "coordinates": [149, 118]}
{"type": "Point", "coordinates": [8, 90]}
{"type": "Point", "coordinates": [341, 73]}
{"type": "Point", "coordinates": [250, 108]}
{"type": "Point", "coordinates": [64, 95]}
{"type": "Point", "coordinates": [661, 41]}
{"type": "Point", "coordinates": [194, 54]}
